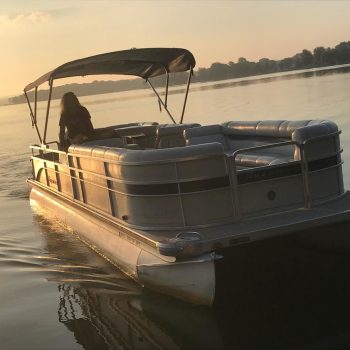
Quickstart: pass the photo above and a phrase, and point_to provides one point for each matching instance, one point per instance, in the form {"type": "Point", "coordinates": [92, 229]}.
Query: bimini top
{"type": "Point", "coordinates": [144, 63]}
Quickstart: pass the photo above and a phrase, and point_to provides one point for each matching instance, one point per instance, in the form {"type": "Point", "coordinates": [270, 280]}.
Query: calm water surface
{"type": "Point", "coordinates": [291, 293]}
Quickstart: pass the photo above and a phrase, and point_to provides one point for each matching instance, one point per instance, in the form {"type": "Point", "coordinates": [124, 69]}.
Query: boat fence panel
{"type": "Point", "coordinates": [268, 189]}
{"type": "Point", "coordinates": [187, 190]}
{"type": "Point", "coordinates": [324, 166]}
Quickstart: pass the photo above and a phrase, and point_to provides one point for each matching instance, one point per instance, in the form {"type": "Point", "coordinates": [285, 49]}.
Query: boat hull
{"type": "Point", "coordinates": [191, 280]}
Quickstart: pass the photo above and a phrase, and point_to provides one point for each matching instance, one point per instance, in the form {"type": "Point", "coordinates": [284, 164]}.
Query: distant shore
{"type": "Point", "coordinates": [4, 101]}
{"type": "Point", "coordinates": [320, 59]}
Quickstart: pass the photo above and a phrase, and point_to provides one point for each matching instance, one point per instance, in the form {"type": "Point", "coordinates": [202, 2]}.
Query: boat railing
{"type": "Point", "coordinates": [233, 171]}
{"type": "Point", "coordinates": [303, 161]}
{"type": "Point", "coordinates": [232, 167]}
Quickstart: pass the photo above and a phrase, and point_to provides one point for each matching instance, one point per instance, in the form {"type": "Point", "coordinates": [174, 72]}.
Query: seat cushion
{"type": "Point", "coordinates": [256, 160]}
{"type": "Point", "coordinates": [274, 128]}
{"type": "Point", "coordinates": [172, 135]}
{"type": "Point", "coordinates": [112, 142]}
{"type": "Point", "coordinates": [208, 134]}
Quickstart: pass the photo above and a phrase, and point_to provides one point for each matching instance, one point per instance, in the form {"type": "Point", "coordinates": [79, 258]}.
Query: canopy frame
{"type": "Point", "coordinates": [162, 103]}
{"type": "Point", "coordinates": [50, 77]}
{"type": "Point", "coordinates": [33, 115]}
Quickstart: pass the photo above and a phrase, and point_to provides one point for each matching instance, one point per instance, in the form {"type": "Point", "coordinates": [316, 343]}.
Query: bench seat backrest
{"type": "Point", "coordinates": [169, 136]}
{"type": "Point", "coordinates": [236, 135]}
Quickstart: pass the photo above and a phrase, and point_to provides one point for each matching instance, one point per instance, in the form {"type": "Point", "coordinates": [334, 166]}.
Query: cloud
{"type": "Point", "coordinates": [34, 17]}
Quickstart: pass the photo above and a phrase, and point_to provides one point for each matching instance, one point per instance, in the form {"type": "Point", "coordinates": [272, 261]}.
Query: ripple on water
{"type": "Point", "coordinates": [63, 259]}
{"type": "Point", "coordinates": [14, 170]}
{"type": "Point", "coordinates": [52, 251]}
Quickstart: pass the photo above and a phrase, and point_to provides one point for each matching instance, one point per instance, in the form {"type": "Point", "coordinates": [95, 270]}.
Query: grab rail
{"type": "Point", "coordinates": [232, 169]}
{"type": "Point", "coordinates": [303, 163]}
{"type": "Point", "coordinates": [118, 162]}
{"type": "Point", "coordinates": [320, 137]}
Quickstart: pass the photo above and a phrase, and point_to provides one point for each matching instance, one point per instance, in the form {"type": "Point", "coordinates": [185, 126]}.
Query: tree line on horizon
{"type": "Point", "coordinates": [320, 57]}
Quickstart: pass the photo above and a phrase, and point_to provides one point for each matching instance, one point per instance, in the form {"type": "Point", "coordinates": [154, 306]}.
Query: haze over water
{"type": "Point", "coordinates": [56, 293]}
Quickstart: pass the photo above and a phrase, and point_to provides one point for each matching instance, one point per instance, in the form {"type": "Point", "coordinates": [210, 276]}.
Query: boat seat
{"type": "Point", "coordinates": [222, 134]}
{"type": "Point", "coordinates": [149, 123]}
{"type": "Point", "coordinates": [103, 133]}
{"type": "Point", "coordinates": [315, 149]}
{"type": "Point", "coordinates": [256, 160]}
{"type": "Point", "coordinates": [144, 135]}
{"type": "Point", "coordinates": [111, 142]}
{"type": "Point", "coordinates": [299, 131]}
{"type": "Point", "coordinates": [119, 126]}
{"type": "Point", "coordinates": [172, 135]}
{"type": "Point", "coordinates": [283, 129]}
{"type": "Point", "coordinates": [236, 135]}
{"type": "Point", "coordinates": [136, 156]}
{"type": "Point", "coordinates": [208, 134]}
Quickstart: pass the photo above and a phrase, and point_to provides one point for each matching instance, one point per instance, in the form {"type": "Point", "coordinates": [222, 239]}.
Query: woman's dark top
{"type": "Point", "coordinates": [78, 123]}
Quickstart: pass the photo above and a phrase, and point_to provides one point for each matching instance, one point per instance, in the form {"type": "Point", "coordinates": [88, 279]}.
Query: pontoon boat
{"type": "Point", "coordinates": [163, 202]}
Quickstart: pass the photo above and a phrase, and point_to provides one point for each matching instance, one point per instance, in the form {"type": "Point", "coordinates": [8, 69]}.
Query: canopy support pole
{"type": "Point", "coordinates": [166, 89]}
{"type": "Point", "coordinates": [187, 89]}
{"type": "Point", "coordinates": [35, 102]}
{"type": "Point", "coordinates": [48, 110]}
{"type": "Point", "coordinates": [161, 101]}
{"type": "Point", "coordinates": [33, 117]}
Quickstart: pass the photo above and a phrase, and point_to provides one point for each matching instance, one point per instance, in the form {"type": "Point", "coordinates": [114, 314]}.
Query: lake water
{"type": "Point", "coordinates": [55, 293]}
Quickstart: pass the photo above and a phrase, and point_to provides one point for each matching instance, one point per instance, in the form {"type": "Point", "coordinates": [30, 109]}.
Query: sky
{"type": "Point", "coordinates": [37, 36]}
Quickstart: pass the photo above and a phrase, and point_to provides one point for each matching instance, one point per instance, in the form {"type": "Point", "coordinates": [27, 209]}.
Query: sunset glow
{"type": "Point", "coordinates": [37, 36]}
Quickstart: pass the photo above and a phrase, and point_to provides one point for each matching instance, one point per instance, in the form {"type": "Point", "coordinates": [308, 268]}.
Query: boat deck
{"type": "Point", "coordinates": [191, 243]}
{"type": "Point", "coordinates": [254, 229]}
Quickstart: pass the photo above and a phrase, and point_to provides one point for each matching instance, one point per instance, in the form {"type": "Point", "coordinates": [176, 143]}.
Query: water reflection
{"type": "Point", "coordinates": [268, 78]}
{"type": "Point", "coordinates": [106, 310]}
{"type": "Point", "coordinates": [213, 85]}
{"type": "Point", "coordinates": [105, 321]}
{"type": "Point", "coordinates": [287, 293]}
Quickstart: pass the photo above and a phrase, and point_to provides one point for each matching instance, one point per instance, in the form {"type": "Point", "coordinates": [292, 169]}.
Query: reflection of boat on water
{"type": "Point", "coordinates": [107, 322]}
{"type": "Point", "coordinates": [106, 310]}
{"type": "Point", "coordinates": [292, 294]}
{"type": "Point", "coordinates": [102, 320]}
{"type": "Point", "coordinates": [163, 201]}
{"type": "Point", "coordinates": [284, 315]}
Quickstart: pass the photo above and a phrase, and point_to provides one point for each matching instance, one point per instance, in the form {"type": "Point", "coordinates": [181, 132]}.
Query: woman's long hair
{"type": "Point", "coordinates": [70, 103]}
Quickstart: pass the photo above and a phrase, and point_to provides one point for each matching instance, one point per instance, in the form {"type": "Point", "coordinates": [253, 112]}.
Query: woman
{"type": "Point", "coordinates": [76, 118]}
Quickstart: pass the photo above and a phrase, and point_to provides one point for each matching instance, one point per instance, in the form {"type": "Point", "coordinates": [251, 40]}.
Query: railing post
{"type": "Point", "coordinates": [81, 179]}
{"type": "Point", "coordinates": [73, 176]}
{"type": "Point", "coordinates": [180, 195]}
{"type": "Point", "coordinates": [305, 172]}
{"type": "Point", "coordinates": [109, 187]}
{"type": "Point", "coordinates": [57, 175]}
{"type": "Point", "coordinates": [233, 184]}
